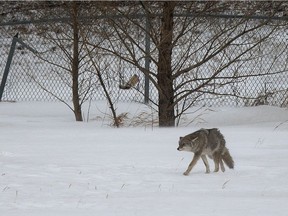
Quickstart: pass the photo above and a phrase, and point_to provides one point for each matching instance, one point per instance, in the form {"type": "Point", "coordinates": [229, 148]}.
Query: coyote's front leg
{"type": "Point", "coordinates": [204, 158]}
{"type": "Point", "coordinates": [192, 164]}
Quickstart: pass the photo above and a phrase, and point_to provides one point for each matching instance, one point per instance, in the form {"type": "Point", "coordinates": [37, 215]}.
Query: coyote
{"type": "Point", "coordinates": [204, 142]}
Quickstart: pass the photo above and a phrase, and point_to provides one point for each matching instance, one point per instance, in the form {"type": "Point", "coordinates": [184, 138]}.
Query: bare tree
{"type": "Point", "coordinates": [194, 49]}
{"type": "Point", "coordinates": [67, 57]}
{"type": "Point", "coordinates": [99, 71]}
{"type": "Point", "coordinates": [190, 55]}
{"type": "Point", "coordinates": [164, 65]}
{"type": "Point", "coordinates": [75, 63]}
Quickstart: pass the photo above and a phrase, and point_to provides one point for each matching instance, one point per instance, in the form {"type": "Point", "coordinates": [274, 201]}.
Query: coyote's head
{"type": "Point", "coordinates": [186, 144]}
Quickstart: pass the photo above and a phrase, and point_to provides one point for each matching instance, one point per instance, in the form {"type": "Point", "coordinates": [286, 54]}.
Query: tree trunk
{"type": "Point", "coordinates": [75, 65]}
{"type": "Point", "coordinates": [164, 75]}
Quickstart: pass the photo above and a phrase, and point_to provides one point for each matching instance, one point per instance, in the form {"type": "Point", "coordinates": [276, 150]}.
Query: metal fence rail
{"type": "Point", "coordinates": [259, 77]}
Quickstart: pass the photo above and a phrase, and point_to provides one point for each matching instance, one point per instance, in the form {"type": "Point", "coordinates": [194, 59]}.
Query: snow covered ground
{"type": "Point", "coordinates": [52, 165]}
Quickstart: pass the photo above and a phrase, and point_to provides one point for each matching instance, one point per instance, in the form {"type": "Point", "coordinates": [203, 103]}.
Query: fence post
{"type": "Point", "coordinates": [147, 60]}
{"type": "Point", "coordinates": [7, 67]}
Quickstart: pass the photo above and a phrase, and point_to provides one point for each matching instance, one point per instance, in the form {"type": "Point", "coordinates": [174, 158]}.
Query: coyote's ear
{"type": "Point", "coordinates": [194, 139]}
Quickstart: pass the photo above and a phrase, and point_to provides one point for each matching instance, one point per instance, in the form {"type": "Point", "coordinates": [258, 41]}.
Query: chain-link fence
{"type": "Point", "coordinates": [44, 74]}
{"type": "Point", "coordinates": [251, 70]}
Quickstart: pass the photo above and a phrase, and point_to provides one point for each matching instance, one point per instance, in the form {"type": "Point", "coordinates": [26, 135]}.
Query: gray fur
{"type": "Point", "coordinates": [210, 142]}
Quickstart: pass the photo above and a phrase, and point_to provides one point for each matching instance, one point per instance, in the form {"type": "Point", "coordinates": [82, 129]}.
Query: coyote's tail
{"type": "Point", "coordinates": [227, 158]}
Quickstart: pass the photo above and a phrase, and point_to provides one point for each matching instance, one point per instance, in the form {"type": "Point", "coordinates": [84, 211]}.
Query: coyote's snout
{"type": "Point", "coordinates": [204, 142]}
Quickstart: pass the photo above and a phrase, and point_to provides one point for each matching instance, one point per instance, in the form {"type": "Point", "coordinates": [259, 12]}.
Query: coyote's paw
{"type": "Point", "coordinates": [186, 173]}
